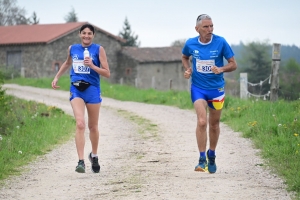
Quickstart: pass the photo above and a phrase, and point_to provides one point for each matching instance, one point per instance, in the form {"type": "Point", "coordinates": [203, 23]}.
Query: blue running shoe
{"type": "Point", "coordinates": [80, 168]}
{"type": "Point", "coordinates": [212, 167]}
{"type": "Point", "coordinates": [202, 166]}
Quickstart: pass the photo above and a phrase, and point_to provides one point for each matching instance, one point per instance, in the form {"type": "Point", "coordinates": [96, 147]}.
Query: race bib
{"type": "Point", "coordinates": [204, 66]}
{"type": "Point", "coordinates": [79, 67]}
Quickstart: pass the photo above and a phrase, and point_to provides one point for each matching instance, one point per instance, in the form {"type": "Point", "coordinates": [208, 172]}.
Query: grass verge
{"type": "Point", "coordinates": [27, 130]}
{"type": "Point", "coordinates": [274, 128]}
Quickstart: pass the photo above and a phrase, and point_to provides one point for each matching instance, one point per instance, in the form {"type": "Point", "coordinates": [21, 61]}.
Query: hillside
{"type": "Point", "coordinates": [287, 52]}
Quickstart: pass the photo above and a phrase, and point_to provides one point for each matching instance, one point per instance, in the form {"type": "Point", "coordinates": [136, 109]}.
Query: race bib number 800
{"type": "Point", "coordinates": [79, 67]}
{"type": "Point", "coordinates": [204, 66]}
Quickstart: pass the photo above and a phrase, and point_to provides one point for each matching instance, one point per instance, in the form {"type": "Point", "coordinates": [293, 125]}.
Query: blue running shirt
{"type": "Point", "coordinates": [78, 70]}
{"type": "Point", "coordinates": [204, 56]}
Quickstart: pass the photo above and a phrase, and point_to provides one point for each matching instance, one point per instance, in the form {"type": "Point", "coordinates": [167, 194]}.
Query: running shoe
{"type": "Point", "coordinates": [95, 164]}
{"type": "Point", "coordinates": [202, 166]}
{"type": "Point", "coordinates": [80, 168]}
{"type": "Point", "coordinates": [212, 167]}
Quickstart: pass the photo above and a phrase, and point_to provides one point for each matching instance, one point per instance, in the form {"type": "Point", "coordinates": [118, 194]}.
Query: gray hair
{"type": "Point", "coordinates": [201, 17]}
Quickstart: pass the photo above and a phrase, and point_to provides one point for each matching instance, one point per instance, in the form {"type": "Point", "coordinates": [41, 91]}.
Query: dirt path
{"type": "Point", "coordinates": [142, 161]}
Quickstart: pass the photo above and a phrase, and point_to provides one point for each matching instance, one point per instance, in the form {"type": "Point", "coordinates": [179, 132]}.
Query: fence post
{"type": "Point", "coordinates": [153, 82]}
{"type": "Point", "coordinates": [170, 84]}
{"type": "Point", "coordinates": [274, 72]}
{"type": "Point", "coordinates": [243, 85]}
{"type": "Point", "coordinates": [22, 72]}
{"type": "Point", "coordinates": [121, 81]}
{"type": "Point", "coordinates": [136, 82]}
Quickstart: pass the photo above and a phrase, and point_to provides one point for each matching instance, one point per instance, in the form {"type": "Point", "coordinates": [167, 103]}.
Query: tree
{"type": "Point", "coordinates": [178, 43]}
{"type": "Point", "coordinates": [291, 66]}
{"type": "Point", "coordinates": [289, 76]}
{"type": "Point", "coordinates": [256, 59]}
{"type": "Point", "coordinates": [34, 19]}
{"type": "Point", "coordinates": [11, 14]}
{"type": "Point", "coordinates": [131, 39]}
{"type": "Point", "coordinates": [71, 16]}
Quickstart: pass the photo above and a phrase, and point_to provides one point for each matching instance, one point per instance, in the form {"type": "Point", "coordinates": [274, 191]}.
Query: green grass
{"type": "Point", "coordinates": [179, 99]}
{"type": "Point", "coordinates": [145, 128]}
{"type": "Point", "coordinates": [273, 127]}
{"type": "Point", "coordinates": [29, 129]}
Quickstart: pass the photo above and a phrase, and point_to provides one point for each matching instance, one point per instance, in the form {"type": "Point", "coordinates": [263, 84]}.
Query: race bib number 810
{"type": "Point", "coordinates": [204, 66]}
{"type": "Point", "coordinates": [79, 67]}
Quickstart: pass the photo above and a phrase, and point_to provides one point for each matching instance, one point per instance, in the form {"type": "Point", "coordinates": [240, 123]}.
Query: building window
{"type": "Point", "coordinates": [56, 67]}
{"type": "Point", "coordinates": [128, 71]}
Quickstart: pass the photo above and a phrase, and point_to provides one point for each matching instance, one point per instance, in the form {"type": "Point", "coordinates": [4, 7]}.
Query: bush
{"type": "Point", "coordinates": [4, 106]}
{"type": "Point", "coordinates": [1, 90]}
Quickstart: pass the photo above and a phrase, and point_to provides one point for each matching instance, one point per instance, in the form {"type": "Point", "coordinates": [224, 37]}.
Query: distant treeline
{"type": "Point", "coordinates": [287, 52]}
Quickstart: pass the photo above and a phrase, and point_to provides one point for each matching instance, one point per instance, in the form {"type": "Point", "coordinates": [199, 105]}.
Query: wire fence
{"type": "Point", "coordinates": [256, 90]}
{"type": "Point", "coordinates": [259, 90]}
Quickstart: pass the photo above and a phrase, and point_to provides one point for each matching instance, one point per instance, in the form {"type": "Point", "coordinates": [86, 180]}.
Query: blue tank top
{"type": "Point", "coordinates": [204, 56]}
{"type": "Point", "coordinates": [81, 72]}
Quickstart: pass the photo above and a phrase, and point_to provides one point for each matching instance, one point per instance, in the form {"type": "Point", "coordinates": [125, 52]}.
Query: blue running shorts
{"type": "Point", "coordinates": [214, 98]}
{"type": "Point", "coordinates": [91, 95]}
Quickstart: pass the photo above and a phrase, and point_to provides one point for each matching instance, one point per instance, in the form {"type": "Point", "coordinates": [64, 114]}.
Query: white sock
{"type": "Point", "coordinates": [94, 155]}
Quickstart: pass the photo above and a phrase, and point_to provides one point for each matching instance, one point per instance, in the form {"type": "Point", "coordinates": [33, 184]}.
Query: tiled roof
{"type": "Point", "coordinates": [157, 54]}
{"type": "Point", "coordinates": [41, 33]}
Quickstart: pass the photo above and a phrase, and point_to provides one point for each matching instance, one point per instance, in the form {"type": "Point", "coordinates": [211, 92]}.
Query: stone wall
{"type": "Point", "coordinates": [157, 75]}
{"type": "Point", "coordinates": [32, 57]}
{"type": "Point", "coordinates": [127, 70]}
{"type": "Point", "coordinates": [162, 76]}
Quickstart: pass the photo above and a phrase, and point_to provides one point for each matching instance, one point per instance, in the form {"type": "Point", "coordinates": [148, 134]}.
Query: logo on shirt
{"type": "Point", "coordinates": [213, 53]}
{"type": "Point", "coordinates": [75, 57]}
{"type": "Point", "coordinates": [221, 89]}
{"type": "Point", "coordinates": [196, 53]}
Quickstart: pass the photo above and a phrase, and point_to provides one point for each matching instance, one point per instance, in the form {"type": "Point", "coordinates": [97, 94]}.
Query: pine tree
{"type": "Point", "coordinates": [71, 16]}
{"type": "Point", "coordinates": [131, 39]}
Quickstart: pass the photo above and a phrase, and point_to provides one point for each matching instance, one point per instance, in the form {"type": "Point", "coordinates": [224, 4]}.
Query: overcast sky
{"type": "Point", "coordinates": [158, 23]}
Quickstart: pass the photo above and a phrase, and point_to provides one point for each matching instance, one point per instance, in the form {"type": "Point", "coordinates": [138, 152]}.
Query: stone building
{"type": "Point", "coordinates": [39, 50]}
{"type": "Point", "coordinates": [159, 68]}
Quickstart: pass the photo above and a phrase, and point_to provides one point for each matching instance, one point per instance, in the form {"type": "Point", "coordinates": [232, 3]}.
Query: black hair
{"type": "Point", "coordinates": [89, 26]}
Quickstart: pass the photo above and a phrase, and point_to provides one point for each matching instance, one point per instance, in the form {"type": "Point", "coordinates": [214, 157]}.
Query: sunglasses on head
{"type": "Point", "coordinates": [202, 16]}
